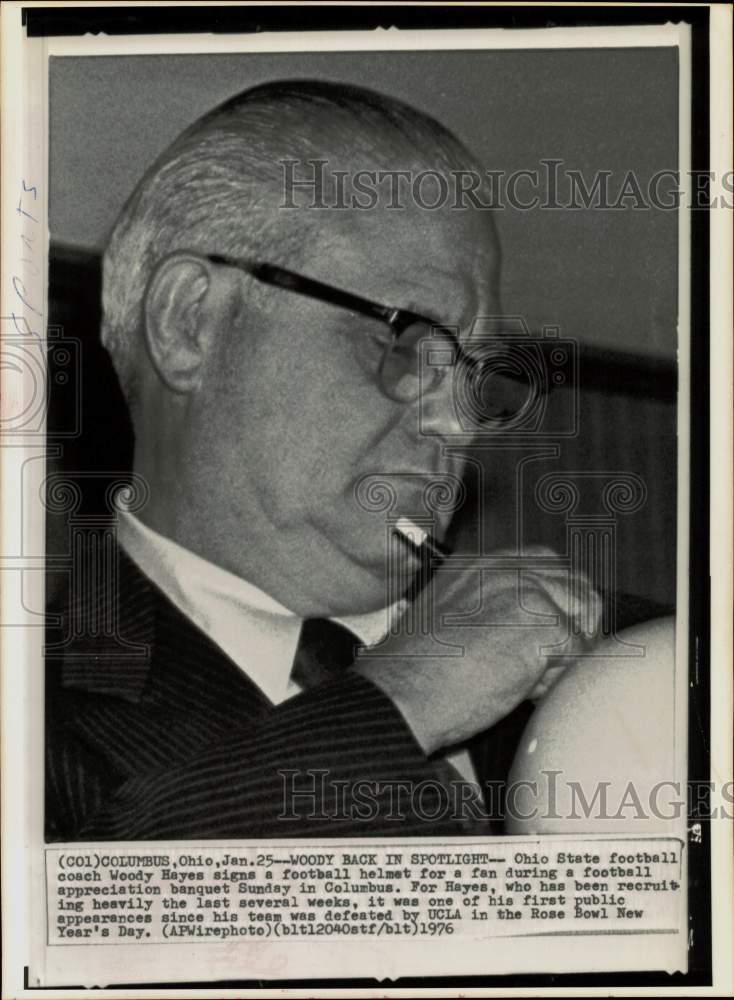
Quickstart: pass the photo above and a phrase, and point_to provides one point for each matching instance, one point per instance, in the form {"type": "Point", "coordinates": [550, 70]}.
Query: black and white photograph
{"type": "Point", "coordinates": [362, 571]}
{"type": "Point", "coordinates": [403, 396]}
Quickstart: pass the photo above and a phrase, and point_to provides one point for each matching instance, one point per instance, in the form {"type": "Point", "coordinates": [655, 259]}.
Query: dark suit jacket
{"type": "Point", "coordinates": [152, 732]}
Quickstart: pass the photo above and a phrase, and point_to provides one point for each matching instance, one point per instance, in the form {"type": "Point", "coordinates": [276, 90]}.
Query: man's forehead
{"type": "Point", "coordinates": [406, 259]}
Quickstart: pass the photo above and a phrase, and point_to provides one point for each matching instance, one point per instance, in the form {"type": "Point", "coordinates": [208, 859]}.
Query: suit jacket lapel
{"type": "Point", "coordinates": [143, 668]}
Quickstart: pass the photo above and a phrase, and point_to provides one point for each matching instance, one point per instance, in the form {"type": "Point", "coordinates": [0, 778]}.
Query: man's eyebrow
{"type": "Point", "coordinates": [447, 315]}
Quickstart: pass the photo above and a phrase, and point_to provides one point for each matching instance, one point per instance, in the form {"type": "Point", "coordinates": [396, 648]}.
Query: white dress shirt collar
{"type": "Point", "coordinates": [256, 632]}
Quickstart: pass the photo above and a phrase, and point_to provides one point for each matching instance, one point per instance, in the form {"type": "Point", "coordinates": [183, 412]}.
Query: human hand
{"type": "Point", "coordinates": [477, 643]}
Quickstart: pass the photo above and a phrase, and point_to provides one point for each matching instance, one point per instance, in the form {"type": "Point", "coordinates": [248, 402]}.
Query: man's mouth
{"type": "Point", "coordinates": [416, 494]}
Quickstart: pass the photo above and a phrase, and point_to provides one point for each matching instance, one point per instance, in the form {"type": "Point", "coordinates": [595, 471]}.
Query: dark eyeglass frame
{"type": "Point", "coordinates": [397, 319]}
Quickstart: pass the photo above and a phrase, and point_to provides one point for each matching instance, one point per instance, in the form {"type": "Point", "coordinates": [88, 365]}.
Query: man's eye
{"type": "Point", "coordinates": [383, 338]}
{"type": "Point", "coordinates": [447, 332]}
{"type": "Point", "coordinates": [368, 341]}
{"type": "Point", "coordinates": [379, 333]}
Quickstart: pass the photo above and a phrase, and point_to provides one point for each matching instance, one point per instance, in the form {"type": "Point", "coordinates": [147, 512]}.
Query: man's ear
{"type": "Point", "coordinates": [175, 319]}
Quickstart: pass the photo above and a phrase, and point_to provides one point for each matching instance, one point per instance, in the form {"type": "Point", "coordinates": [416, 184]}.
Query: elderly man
{"type": "Point", "coordinates": [266, 378]}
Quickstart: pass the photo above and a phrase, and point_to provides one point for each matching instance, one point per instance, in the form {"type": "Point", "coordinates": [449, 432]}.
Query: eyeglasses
{"type": "Point", "coordinates": [399, 368]}
{"type": "Point", "coordinates": [400, 376]}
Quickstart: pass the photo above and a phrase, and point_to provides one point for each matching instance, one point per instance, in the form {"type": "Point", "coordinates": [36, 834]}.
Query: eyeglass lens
{"type": "Point", "coordinates": [493, 384]}
{"type": "Point", "coordinates": [400, 371]}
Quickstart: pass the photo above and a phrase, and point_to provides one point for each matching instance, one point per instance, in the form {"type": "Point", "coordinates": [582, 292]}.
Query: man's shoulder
{"type": "Point", "coordinates": [101, 624]}
{"type": "Point", "coordinates": [114, 634]}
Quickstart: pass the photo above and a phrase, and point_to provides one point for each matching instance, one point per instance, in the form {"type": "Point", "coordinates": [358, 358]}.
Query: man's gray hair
{"type": "Point", "coordinates": [217, 187]}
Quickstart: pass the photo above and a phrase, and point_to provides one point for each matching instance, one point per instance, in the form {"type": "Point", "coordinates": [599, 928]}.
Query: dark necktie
{"type": "Point", "coordinates": [324, 649]}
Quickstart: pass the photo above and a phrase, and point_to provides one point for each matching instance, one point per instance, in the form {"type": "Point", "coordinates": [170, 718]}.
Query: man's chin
{"type": "Point", "coordinates": [367, 586]}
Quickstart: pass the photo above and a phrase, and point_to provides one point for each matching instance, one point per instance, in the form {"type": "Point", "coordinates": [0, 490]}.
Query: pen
{"type": "Point", "coordinates": [430, 552]}
{"type": "Point", "coordinates": [419, 539]}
